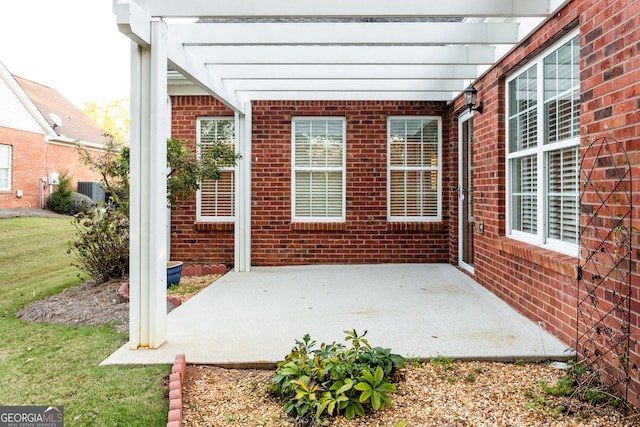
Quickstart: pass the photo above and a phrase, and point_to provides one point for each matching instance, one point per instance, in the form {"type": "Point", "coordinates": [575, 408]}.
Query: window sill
{"type": "Point", "coordinates": [214, 226]}
{"type": "Point", "coordinates": [415, 226]}
{"type": "Point", "coordinates": [555, 261]}
{"type": "Point", "coordinates": [319, 226]}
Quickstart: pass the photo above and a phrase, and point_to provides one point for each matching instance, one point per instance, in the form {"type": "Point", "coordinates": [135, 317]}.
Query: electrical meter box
{"type": "Point", "coordinates": [53, 178]}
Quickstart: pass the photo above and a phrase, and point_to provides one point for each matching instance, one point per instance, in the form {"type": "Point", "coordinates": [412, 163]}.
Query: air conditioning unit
{"type": "Point", "coordinates": [93, 190]}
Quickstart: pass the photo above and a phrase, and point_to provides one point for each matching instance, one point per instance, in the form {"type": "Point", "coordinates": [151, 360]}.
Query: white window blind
{"type": "Point", "coordinates": [319, 169]}
{"type": "Point", "coordinates": [414, 178]}
{"type": "Point", "coordinates": [543, 149]}
{"type": "Point", "coordinates": [216, 198]}
{"type": "Point", "coordinates": [5, 167]}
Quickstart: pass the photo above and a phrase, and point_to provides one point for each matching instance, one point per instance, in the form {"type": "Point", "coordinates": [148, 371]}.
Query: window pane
{"type": "Point", "coordinates": [414, 193]}
{"type": "Point", "coordinates": [561, 93]}
{"type": "Point", "coordinates": [318, 194]}
{"type": "Point", "coordinates": [413, 180]}
{"type": "Point", "coordinates": [524, 194]}
{"type": "Point", "coordinates": [523, 127]}
{"type": "Point", "coordinates": [217, 197]}
{"type": "Point", "coordinates": [5, 156]}
{"type": "Point", "coordinates": [5, 166]}
{"type": "Point", "coordinates": [318, 168]}
{"type": "Point", "coordinates": [4, 179]}
{"type": "Point", "coordinates": [215, 130]}
{"type": "Point", "coordinates": [318, 143]}
{"type": "Point", "coordinates": [563, 194]}
{"type": "Point", "coordinates": [414, 142]}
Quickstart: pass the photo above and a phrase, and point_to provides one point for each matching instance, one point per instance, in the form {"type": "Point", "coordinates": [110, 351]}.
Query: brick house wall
{"type": "Point", "coordinates": [539, 283]}
{"type": "Point", "coordinates": [197, 243]}
{"type": "Point", "coordinates": [33, 158]}
{"type": "Point", "coordinates": [365, 237]}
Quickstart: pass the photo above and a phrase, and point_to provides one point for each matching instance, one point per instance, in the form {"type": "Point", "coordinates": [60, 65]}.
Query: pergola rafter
{"type": "Point", "coordinates": [341, 8]}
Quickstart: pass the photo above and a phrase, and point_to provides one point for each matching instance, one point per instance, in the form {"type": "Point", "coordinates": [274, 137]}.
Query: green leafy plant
{"type": "Point", "coordinates": [61, 199]}
{"type": "Point", "coordinates": [375, 388]}
{"type": "Point", "coordinates": [442, 361]}
{"type": "Point", "coordinates": [563, 387]}
{"type": "Point", "coordinates": [102, 247]}
{"type": "Point", "coordinates": [335, 379]}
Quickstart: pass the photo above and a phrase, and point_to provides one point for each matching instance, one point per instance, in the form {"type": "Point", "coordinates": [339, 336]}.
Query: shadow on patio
{"type": "Point", "coordinates": [417, 310]}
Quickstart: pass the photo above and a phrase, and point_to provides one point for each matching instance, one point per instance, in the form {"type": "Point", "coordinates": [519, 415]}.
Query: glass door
{"type": "Point", "coordinates": [465, 192]}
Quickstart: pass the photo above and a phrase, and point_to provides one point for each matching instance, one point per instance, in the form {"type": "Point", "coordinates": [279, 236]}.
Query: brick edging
{"type": "Point", "coordinates": [123, 295]}
{"type": "Point", "coordinates": [176, 378]}
{"type": "Point", "coordinates": [192, 270]}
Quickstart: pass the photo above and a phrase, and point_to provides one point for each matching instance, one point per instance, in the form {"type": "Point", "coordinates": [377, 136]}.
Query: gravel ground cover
{"type": "Point", "coordinates": [466, 394]}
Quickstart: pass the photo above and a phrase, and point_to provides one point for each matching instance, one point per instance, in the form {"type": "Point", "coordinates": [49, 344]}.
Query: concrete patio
{"type": "Point", "coordinates": [417, 310]}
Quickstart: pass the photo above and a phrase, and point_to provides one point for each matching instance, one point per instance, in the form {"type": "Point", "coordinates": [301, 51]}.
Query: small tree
{"type": "Point", "coordinates": [103, 245]}
{"type": "Point", "coordinates": [113, 166]}
{"type": "Point", "coordinates": [60, 200]}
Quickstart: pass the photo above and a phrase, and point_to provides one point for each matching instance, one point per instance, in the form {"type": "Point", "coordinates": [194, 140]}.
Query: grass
{"type": "Point", "coordinates": [47, 364]}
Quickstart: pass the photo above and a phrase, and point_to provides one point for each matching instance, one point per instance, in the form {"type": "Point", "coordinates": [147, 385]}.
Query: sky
{"type": "Point", "coordinates": [72, 46]}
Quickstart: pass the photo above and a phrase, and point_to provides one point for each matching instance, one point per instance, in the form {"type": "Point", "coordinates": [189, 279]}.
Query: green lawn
{"type": "Point", "coordinates": [46, 364]}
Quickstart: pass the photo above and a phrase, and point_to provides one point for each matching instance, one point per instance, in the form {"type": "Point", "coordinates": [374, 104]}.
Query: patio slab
{"type": "Point", "coordinates": [417, 310]}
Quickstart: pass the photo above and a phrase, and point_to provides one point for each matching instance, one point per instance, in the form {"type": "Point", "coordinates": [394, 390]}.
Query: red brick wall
{"type": "Point", "coordinates": [191, 242]}
{"type": "Point", "coordinates": [610, 72]}
{"type": "Point", "coordinates": [32, 159]}
{"type": "Point", "coordinates": [538, 283]}
{"type": "Point", "coordinates": [366, 237]}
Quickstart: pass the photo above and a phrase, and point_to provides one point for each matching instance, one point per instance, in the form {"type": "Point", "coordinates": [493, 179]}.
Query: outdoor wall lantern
{"type": "Point", "coordinates": [470, 97]}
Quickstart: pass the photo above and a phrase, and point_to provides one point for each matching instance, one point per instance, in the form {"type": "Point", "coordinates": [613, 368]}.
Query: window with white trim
{"type": "Point", "coordinates": [319, 169]}
{"type": "Point", "coordinates": [5, 167]}
{"type": "Point", "coordinates": [543, 133]}
{"type": "Point", "coordinates": [415, 175]}
{"type": "Point", "coordinates": [215, 200]}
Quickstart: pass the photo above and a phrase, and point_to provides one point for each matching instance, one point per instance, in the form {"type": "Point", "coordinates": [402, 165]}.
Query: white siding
{"type": "Point", "coordinates": [13, 113]}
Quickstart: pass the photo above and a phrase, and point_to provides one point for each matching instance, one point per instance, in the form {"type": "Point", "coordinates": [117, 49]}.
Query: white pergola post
{"type": "Point", "coordinates": [242, 229]}
{"type": "Point", "coordinates": [148, 200]}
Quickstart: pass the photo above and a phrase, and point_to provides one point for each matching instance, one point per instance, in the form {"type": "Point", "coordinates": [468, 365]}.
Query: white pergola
{"type": "Point", "coordinates": [244, 50]}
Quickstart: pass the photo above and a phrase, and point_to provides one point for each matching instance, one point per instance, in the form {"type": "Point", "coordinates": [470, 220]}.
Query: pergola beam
{"type": "Point", "coordinates": [344, 55]}
{"type": "Point", "coordinates": [195, 70]}
{"type": "Point", "coordinates": [341, 8]}
{"type": "Point", "coordinates": [355, 85]}
{"type": "Point", "coordinates": [349, 33]}
{"type": "Point", "coordinates": [347, 71]}
{"type": "Point", "coordinates": [367, 95]}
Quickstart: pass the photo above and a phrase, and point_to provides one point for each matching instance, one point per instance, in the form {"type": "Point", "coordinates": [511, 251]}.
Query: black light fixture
{"type": "Point", "coordinates": [470, 97]}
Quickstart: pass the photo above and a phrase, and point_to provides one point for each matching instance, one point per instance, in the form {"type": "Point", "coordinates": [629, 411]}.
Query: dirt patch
{"type": "Point", "coordinates": [94, 304]}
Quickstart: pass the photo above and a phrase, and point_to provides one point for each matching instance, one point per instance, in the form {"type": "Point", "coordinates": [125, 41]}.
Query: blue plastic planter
{"type": "Point", "coordinates": [174, 270]}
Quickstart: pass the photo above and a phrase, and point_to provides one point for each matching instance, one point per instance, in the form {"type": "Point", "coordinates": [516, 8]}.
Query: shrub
{"type": "Point", "coordinates": [81, 203]}
{"type": "Point", "coordinates": [103, 259]}
{"type": "Point", "coordinates": [334, 379]}
{"type": "Point", "coordinates": [60, 200]}
{"type": "Point", "coordinates": [103, 248]}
